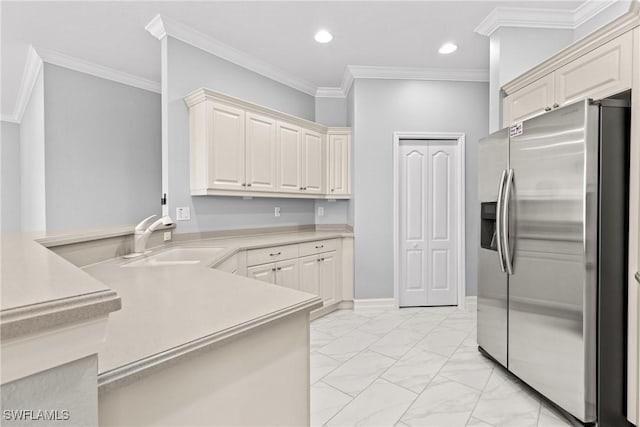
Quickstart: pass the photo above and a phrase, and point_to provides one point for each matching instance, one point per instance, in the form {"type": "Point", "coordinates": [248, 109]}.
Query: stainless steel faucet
{"type": "Point", "coordinates": [143, 231]}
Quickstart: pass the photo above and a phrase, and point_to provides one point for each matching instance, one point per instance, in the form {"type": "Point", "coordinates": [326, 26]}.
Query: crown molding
{"type": "Point", "coordinates": [347, 80]}
{"type": "Point", "coordinates": [330, 92]}
{"type": "Point", "coordinates": [525, 17]}
{"type": "Point", "coordinates": [589, 9]}
{"type": "Point", "coordinates": [160, 27]}
{"type": "Point", "coordinates": [542, 18]}
{"type": "Point", "coordinates": [97, 70]}
{"type": "Point", "coordinates": [29, 76]}
{"type": "Point", "coordinates": [405, 73]}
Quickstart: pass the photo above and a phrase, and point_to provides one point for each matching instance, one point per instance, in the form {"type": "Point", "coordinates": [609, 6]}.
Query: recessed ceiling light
{"type": "Point", "coordinates": [323, 36]}
{"type": "Point", "coordinates": [447, 48]}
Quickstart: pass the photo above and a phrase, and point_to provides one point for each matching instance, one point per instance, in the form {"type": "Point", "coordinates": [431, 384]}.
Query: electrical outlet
{"type": "Point", "coordinates": [320, 211]}
{"type": "Point", "coordinates": [167, 236]}
{"type": "Point", "coordinates": [276, 211]}
{"type": "Point", "coordinates": [183, 214]}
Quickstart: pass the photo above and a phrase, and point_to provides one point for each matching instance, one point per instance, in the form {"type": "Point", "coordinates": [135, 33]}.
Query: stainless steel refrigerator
{"type": "Point", "coordinates": [552, 260]}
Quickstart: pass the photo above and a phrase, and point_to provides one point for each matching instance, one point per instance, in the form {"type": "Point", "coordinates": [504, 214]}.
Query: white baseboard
{"type": "Point", "coordinates": [375, 304]}
{"type": "Point", "coordinates": [471, 299]}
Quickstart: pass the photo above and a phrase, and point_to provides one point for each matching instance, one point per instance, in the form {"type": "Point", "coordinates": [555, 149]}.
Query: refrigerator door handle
{"type": "Point", "coordinates": [499, 220]}
{"type": "Point", "coordinates": [506, 249]}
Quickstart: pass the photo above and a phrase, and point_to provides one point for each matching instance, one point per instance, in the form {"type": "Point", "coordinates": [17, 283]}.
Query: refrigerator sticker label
{"type": "Point", "coordinates": [515, 130]}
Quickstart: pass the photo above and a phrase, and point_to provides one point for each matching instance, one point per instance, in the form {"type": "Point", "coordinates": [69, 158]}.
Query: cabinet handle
{"type": "Point", "coordinates": [279, 268]}
{"type": "Point", "coordinates": [555, 105]}
{"type": "Point", "coordinates": [248, 185]}
{"type": "Point", "coordinates": [276, 254]}
{"type": "Point", "coordinates": [273, 269]}
{"type": "Point", "coordinates": [244, 184]}
{"type": "Point", "coordinates": [547, 108]}
{"type": "Point", "coordinates": [301, 188]}
{"type": "Point", "coordinates": [332, 189]}
{"type": "Point", "coordinates": [319, 260]}
{"type": "Point", "coordinates": [320, 247]}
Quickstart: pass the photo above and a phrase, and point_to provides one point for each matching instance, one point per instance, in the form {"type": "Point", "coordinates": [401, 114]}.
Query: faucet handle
{"type": "Point", "coordinates": [143, 224]}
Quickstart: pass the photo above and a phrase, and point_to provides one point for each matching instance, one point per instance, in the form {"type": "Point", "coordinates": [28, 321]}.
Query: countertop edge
{"type": "Point", "coordinates": [123, 375]}
{"type": "Point", "coordinates": [40, 317]}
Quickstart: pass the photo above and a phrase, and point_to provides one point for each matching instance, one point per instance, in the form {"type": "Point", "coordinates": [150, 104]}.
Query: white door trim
{"type": "Point", "coordinates": [460, 139]}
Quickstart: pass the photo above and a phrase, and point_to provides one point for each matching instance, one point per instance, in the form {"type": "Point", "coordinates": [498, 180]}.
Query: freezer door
{"type": "Point", "coordinates": [553, 234]}
{"type": "Point", "coordinates": [493, 156]}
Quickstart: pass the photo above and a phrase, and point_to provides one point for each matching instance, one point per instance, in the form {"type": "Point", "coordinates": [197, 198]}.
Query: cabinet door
{"type": "Point", "coordinates": [226, 147]}
{"type": "Point", "coordinates": [289, 165]}
{"type": "Point", "coordinates": [264, 272]}
{"type": "Point", "coordinates": [312, 162]}
{"type": "Point", "coordinates": [531, 100]}
{"type": "Point", "coordinates": [602, 72]}
{"type": "Point", "coordinates": [310, 274]}
{"type": "Point", "coordinates": [339, 164]}
{"type": "Point", "coordinates": [261, 156]}
{"type": "Point", "coordinates": [288, 273]}
{"type": "Point", "coordinates": [328, 277]}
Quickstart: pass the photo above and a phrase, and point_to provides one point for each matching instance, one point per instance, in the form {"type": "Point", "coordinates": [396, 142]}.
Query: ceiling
{"type": "Point", "coordinates": [278, 34]}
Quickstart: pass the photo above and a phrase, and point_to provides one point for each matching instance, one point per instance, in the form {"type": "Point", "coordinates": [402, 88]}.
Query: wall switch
{"type": "Point", "coordinates": [183, 214]}
{"type": "Point", "coordinates": [276, 211]}
{"type": "Point", "coordinates": [320, 211]}
{"type": "Point", "coordinates": [167, 236]}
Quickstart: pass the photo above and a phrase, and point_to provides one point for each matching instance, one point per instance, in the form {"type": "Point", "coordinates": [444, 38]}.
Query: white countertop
{"type": "Point", "coordinates": [41, 290]}
{"type": "Point", "coordinates": [167, 307]}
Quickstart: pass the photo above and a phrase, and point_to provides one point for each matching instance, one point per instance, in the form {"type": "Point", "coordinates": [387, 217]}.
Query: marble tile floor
{"type": "Point", "coordinates": [413, 367]}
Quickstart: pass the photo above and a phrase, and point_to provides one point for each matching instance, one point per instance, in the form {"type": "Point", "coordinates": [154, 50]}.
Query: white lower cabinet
{"type": "Point", "coordinates": [264, 272]}
{"type": "Point", "coordinates": [317, 271]}
{"type": "Point", "coordinates": [328, 277]}
{"type": "Point", "coordinates": [288, 274]}
{"type": "Point", "coordinates": [310, 274]}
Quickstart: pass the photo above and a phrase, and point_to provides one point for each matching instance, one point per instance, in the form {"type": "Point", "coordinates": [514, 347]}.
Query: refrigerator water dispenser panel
{"type": "Point", "coordinates": [488, 239]}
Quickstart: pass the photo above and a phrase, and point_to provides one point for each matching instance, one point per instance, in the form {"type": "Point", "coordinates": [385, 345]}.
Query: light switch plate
{"type": "Point", "coordinates": [276, 211]}
{"type": "Point", "coordinates": [167, 236]}
{"type": "Point", "coordinates": [320, 211]}
{"type": "Point", "coordinates": [183, 214]}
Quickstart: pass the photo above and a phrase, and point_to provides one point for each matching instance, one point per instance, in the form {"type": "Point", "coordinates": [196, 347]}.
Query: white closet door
{"type": "Point", "coordinates": [413, 290]}
{"type": "Point", "coordinates": [428, 222]}
{"type": "Point", "coordinates": [442, 220]}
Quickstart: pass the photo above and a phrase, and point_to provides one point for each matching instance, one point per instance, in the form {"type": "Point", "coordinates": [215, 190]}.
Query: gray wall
{"type": "Point", "coordinates": [10, 154]}
{"type": "Point", "coordinates": [513, 51]}
{"type": "Point", "coordinates": [103, 151]}
{"type": "Point", "coordinates": [331, 111]}
{"type": "Point", "coordinates": [190, 68]}
{"type": "Point", "coordinates": [32, 161]}
{"type": "Point", "coordinates": [607, 15]}
{"type": "Point", "coordinates": [382, 107]}
{"type": "Point", "coordinates": [72, 387]}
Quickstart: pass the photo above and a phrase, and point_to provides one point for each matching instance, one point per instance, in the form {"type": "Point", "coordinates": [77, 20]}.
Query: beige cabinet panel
{"type": "Point", "coordinates": [288, 274]}
{"type": "Point", "coordinates": [312, 162]}
{"type": "Point", "coordinates": [289, 151]}
{"type": "Point", "coordinates": [265, 272]}
{"type": "Point", "coordinates": [339, 149]}
{"type": "Point", "coordinates": [600, 73]}
{"type": "Point", "coordinates": [226, 147]}
{"type": "Point", "coordinates": [328, 277]}
{"type": "Point", "coordinates": [261, 153]}
{"type": "Point", "coordinates": [310, 274]}
{"type": "Point", "coordinates": [529, 101]}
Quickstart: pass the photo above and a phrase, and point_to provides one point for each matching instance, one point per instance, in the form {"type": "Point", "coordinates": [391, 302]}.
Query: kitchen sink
{"type": "Point", "coordinates": [176, 256]}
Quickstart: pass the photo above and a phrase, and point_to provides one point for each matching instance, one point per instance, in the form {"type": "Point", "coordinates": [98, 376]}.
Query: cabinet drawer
{"type": "Point", "coordinates": [272, 254]}
{"type": "Point", "coordinates": [311, 248]}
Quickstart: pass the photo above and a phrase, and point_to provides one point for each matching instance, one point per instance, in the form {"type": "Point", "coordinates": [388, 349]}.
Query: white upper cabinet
{"type": "Point", "coordinates": [529, 101]}
{"type": "Point", "coordinates": [338, 162]}
{"type": "Point", "coordinates": [601, 72]}
{"type": "Point", "coordinates": [261, 152]}
{"type": "Point", "coordinates": [289, 158]}
{"type": "Point", "coordinates": [243, 149]}
{"type": "Point", "coordinates": [312, 162]}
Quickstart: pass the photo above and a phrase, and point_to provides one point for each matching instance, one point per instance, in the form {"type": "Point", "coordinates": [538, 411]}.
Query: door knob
{"type": "Point", "coordinates": [415, 246]}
